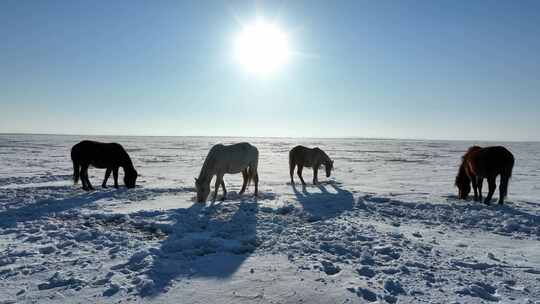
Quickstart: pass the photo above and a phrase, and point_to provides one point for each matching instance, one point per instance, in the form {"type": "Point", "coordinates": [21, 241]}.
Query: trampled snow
{"type": "Point", "coordinates": [386, 227]}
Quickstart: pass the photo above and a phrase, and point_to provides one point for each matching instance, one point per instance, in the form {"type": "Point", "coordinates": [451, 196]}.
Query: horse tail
{"type": "Point", "coordinates": [252, 170]}
{"type": "Point", "coordinates": [75, 156]}
{"type": "Point", "coordinates": [511, 165]}
{"type": "Point", "coordinates": [506, 174]}
{"type": "Point", "coordinates": [291, 160]}
{"type": "Point", "coordinates": [249, 177]}
{"type": "Point", "coordinates": [251, 174]}
{"type": "Point", "coordinates": [508, 165]}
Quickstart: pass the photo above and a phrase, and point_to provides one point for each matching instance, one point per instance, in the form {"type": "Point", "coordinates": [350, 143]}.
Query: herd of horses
{"type": "Point", "coordinates": [477, 163]}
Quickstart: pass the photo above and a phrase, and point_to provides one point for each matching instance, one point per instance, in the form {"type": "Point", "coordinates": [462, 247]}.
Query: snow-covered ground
{"type": "Point", "coordinates": [386, 227]}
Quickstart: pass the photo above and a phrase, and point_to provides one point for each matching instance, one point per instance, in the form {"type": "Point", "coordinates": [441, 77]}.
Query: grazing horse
{"type": "Point", "coordinates": [479, 163]}
{"type": "Point", "coordinates": [305, 157]}
{"type": "Point", "coordinates": [221, 159]}
{"type": "Point", "coordinates": [101, 155]}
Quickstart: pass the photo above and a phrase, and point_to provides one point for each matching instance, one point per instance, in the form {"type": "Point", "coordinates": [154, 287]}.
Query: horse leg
{"type": "Point", "coordinates": [315, 173]}
{"type": "Point", "coordinates": [479, 183]}
{"type": "Point", "coordinates": [219, 178]}
{"type": "Point", "coordinates": [81, 177]}
{"type": "Point", "coordinates": [503, 188]}
{"type": "Point", "coordinates": [107, 174]}
{"type": "Point", "coordinates": [84, 177]}
{"type": "Point", "coordinates": [299, 172]}
{"type": "Point", "coordinates": [224, 190]}
{"type": "Point", "coordinates": [291, 172]}
{"type": "Point", "coordinates": [475, 188]}
{"type": "Point", "coordinates": [244, 184]}
{"type": "Point", "coordinates": [115, 176]}
{"type": "Point", "coordinates": [256, 179]}
{"type": "Point", "coordinates": [492, 186]}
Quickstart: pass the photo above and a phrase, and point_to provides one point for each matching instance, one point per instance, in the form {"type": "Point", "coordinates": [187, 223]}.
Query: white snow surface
{"type": "Point", "coordinates": [385, 228]}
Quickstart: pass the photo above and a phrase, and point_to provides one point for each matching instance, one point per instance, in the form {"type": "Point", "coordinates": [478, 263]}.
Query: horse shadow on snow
{"type": "Point", "coordinates": [507, 218]}
{"type": "Point", "coordinates": [43, 208]}
{"type": "Point", "coordinates": [324, 204]}
{"type": "Point", "coordinates": [210, 241]}
{"type": "Point", "coordinates": [35, 203]}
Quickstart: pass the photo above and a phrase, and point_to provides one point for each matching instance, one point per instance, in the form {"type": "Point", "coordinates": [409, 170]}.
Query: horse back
{"type": "Point", "coordinates": [306, 157]}
{"type": "Point", "coordinates": [242, 150]}
{"type": "Point", "coordinates": [492, 161]}
{"type": "Point", "coordinates": [100, 155]}
{"type": "Point", "coordinates": [230, 159]}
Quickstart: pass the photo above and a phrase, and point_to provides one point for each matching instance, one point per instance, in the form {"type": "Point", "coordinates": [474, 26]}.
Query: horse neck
{"type": "Point", "coordinates": [128, 166]}
{"type": "Point", "coordinates": [203, 176]}
{"type": "Point", "coordinates": [462, 173]}
{"type": "Point", "coordinates": [324, 158]}
{"type": "Point", "coordinates": [207, 169]}
{"type": "Point", "coordinates": [471, 151]}
{"type": "Point", "coordinates": [126, 163]}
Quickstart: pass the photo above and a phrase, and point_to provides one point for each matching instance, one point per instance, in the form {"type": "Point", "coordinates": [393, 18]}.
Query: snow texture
{"type": "Point", "coordinates": [386, 227]}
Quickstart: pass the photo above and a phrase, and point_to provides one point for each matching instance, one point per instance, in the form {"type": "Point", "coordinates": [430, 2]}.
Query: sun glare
{"type": "Point", "coordinates": [261, 47]}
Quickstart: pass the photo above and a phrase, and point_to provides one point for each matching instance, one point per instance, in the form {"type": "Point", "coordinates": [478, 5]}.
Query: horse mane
{"type": "Point", "coordinates": [462, 176]}
{"type": "Point", "coordinates": [126, 159]}
{"type": "Point", "coordinates": [208, 164]}
{"type": "Point", "coordinates": [326, 161]}
{"type": "Point", "coordinates": [326, 157]}
{"type": "Point", "coordinates": [471, 150]}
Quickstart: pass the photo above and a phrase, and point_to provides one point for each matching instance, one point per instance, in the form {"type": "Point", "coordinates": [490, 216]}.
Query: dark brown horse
{"type": "Point", "coordinates": [108, 156]}
{"type": "Point", "coordinates": [312, 158]}
{"type": "Point", "coordinates": [479, 163]}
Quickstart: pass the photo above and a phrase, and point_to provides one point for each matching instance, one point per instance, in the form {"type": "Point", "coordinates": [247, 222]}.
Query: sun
{"type": "Point", "coordinates": [261, 47]}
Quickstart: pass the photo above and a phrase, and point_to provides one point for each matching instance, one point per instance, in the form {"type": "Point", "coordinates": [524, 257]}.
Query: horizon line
{"type": "Point", "coordinates": [300, 137]}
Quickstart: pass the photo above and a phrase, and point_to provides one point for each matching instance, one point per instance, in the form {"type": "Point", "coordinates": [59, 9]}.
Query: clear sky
{"type": "Point", "coordinates": [401, 69]}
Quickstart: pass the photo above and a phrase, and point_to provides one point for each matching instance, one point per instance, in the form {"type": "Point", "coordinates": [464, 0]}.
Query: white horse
{"type": "Point", "coordinates": [221, 159]}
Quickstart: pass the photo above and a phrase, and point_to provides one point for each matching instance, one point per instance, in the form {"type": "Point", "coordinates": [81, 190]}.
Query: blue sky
{"type": "Point", "coordinates": [400, 69]}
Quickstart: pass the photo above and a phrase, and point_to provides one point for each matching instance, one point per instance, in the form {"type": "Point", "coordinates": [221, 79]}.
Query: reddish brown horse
{"type": "Point", "coordinates": [479, 163]}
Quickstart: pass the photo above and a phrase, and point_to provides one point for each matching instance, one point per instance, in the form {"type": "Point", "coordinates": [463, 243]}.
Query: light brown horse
{"type": "Point", "coordinates": [305, 157]}
{"type": "Point", "coordinates": [479, 163]}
